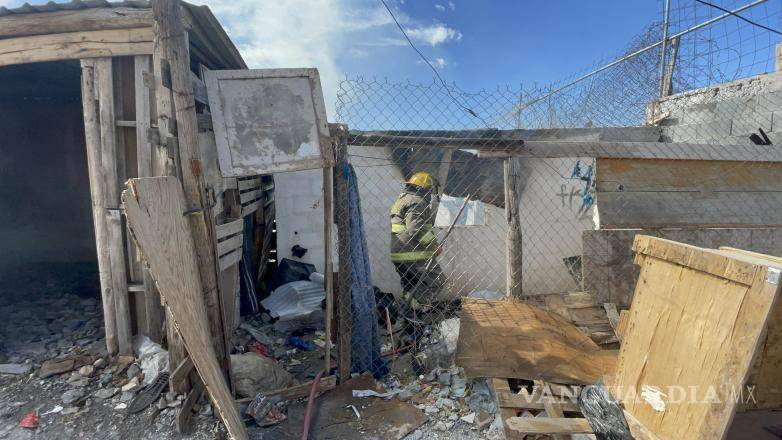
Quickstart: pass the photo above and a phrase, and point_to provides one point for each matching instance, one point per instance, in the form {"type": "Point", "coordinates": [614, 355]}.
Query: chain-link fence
{"type": "Point", "coordinates": [686, 152]}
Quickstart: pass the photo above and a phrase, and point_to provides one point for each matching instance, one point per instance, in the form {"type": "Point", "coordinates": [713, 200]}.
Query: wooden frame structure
{"type": "Point", "coordinates": [143, 97]}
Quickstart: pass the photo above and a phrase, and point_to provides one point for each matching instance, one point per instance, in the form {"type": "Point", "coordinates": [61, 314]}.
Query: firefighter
{"type": "Point", "coordinates": [413, 242]}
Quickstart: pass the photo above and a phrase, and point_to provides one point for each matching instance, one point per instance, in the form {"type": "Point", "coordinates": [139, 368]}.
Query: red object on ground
{"type": "Point", "coordinates": [30, 420]}
{"type": "Point", "coordinates": [257, 347]}
{"type": "Point", "coordinates": [308, 415]}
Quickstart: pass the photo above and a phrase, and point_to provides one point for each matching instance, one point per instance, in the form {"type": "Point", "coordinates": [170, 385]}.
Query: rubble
{"type": "Point", "coordinates": [15, 368]}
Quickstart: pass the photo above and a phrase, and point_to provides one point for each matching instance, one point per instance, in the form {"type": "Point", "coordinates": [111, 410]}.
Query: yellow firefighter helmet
{"type": "Point", "coordinates": [421, 179]}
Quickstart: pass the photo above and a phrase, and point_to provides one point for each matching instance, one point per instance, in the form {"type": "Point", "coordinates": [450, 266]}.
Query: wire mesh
{"type": "Point", "coordinates": [577, 214]}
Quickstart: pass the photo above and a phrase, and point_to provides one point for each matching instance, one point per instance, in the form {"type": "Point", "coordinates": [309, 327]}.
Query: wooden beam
{"type": "Point", "coordinates": [76, 45]}
{"type": "Point", "coordinates": [185, 413]}
{"type": "Point", "coordinates": [108, 164]}
{"type": "Point", "coordinates": [298, 391]}
{"type": "Point", "coordinates": [328, 222]}
{"type": "Point", "coordinates": [80, 20]}
{"type": "Point", "coordinates": [154, 312]}
{"type": "Point", "coordinates": [501, 386]}
{"type": "Point", "coordinates": [514, 250]}
{"type": "Point", "coordinates": [496, 143]}
{"type": "Point", "coordinates": [154, 208]}
{"type": "Point", "coordinates": [553, 409]}
{"type": "Point", "coordinates": [171, 41]}
{"type": "Point", "coordinates": [97, 193]}
{"type": "Point", "coordinates": [508, 399]}
{"type": "Point", "coordinates": [530, 425]}
{"type": "Point", "coordinates": [343, 287]}
{"type": "Point", "coordinates": [180, 374]}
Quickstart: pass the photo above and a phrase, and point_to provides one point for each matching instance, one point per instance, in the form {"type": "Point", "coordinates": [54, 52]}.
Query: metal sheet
{"type": "Point", "coordinates": [268, 120]}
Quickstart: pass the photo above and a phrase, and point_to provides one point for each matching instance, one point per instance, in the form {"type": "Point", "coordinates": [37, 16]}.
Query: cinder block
{"type": "Point", "coordinates": [749, 123]}
{"type": "Point", "coordinates": [714, 130]}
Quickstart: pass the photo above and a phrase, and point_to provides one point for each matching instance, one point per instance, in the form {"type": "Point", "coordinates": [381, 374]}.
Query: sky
{"type": "Point", "coordinates": [474, 43]}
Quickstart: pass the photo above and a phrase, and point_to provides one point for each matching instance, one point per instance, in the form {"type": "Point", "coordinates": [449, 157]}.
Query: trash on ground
{"type": "Point", "coordinates": [29, 420]}
{"type": "Point", "coordinates": [253, 374]}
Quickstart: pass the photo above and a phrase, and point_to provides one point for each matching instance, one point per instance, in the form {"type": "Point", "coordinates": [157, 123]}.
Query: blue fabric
{"type": "Point", "coordinates": [365, 339]}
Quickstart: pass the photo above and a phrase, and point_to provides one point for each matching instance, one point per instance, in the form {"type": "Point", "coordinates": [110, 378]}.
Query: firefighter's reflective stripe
{"type": "Point", "coordinates": [397, 228]}
{"type": "Point", "coordinates": [401, 257]}
{"type": "Point", "coordinates": [427, 238]}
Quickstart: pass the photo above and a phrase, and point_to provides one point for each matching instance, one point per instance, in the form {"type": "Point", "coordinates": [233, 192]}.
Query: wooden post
{"type": "Point", "coordinates": [328, 222]}
{"type": "Point", "coordinates": [343, 290]}
{"type": "Point", "coordinates": [171, 42]}
{"type": "Point", "coordinates": [142, 74]}
{"type": "Point", "coordinates": [513, 269]}
{"type": "Point", "coordinates": [109, 179]}
{"type": "Point", "coordinates": [163, 163]}
{"type": "Point", "coordinates": [97, 190]}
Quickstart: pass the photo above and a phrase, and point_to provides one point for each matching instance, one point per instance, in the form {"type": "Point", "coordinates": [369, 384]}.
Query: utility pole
{"type": "Point", "coordinates": [667, 13]}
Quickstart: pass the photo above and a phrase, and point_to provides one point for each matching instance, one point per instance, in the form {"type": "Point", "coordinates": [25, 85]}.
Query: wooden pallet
{"type": "Point", "coordinates": [554, 399]}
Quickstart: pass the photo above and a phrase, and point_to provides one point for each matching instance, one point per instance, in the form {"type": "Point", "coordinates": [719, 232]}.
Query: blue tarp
{"type": "Point", "coordinates": [365, 339]}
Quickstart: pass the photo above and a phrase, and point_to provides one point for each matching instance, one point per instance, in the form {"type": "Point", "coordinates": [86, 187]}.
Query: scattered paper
{"type": "Point", "coordinates": [54, 410]}
{"type": "Point", "coordinates": [372, 393]}
{"type": "Point", "coordinates": [355, 410]}
{"type": "Point", "coordinates": [654, 397]}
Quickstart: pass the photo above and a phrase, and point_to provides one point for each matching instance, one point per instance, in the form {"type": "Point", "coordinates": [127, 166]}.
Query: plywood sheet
{"type": "Point", "coordinates": [154, 207]}
{"type": "Point", "coordinates": [687, 193]}
{"type": "Point", "coordinates": [268, 120]}
{"type": "Point", "coordinates": [696, 322]}
{"type": "Point", "coordinates": [510, 339]}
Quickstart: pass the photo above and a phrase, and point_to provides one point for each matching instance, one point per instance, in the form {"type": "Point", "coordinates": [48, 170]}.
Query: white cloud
{"type": "Point", "coordinates": [438, 62]}
{"type": "Point", "coordinates": [293, 33]}
{"type": "Point", "coordinates": [434, 34]}
{"type": "Point", "coordinates": [452, 6]}
{"type": "Point", "coordinates": [439, 7]}
{"type": "Point", "coordinates": [318, 33]}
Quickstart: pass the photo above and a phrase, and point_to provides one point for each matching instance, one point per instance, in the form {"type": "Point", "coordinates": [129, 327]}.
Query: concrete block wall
{"type": "Point", "coordinates": [299, 216]}
{"type": "Point", "coordinates": [726, 114]}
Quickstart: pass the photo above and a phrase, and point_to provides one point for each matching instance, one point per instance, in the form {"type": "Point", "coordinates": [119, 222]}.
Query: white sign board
{"type": "Point", "coordinates": [268, 120]}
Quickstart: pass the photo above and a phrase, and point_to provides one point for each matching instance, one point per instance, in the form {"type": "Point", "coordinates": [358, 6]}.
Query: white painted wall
{"type": "Point", "coordinates": [474, 256]}
{"type": "Point", "coordinates": [299, 215]}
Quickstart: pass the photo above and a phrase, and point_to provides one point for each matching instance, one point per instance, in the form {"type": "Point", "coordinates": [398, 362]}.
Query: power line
{"type": "Point", "coordinates": [739, 17]}
{"type": "Point", "coordinates": [437, 74]}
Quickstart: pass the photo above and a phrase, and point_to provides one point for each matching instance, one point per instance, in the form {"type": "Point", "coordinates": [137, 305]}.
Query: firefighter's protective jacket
{"type": "Point", "coordinates": [412, 219]}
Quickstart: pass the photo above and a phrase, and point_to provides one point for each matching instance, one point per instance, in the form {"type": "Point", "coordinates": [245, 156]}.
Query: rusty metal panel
{"type": "Point", "coordinates": [268, 120]}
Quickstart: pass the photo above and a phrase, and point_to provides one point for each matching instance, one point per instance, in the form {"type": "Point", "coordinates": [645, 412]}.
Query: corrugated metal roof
{"type": "Point", "coordinates": [295, 299]}
{"type": "Point", "coordinates": [73, 5]}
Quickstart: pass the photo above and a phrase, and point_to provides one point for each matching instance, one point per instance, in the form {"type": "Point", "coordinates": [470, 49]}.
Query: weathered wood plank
{"type": "Point", "coordinates": [185, 413]}
{"type": "Point", "coordinates": [230, 244]}
{"type": "Point", "coordinates": [253, 183]}
{"type": "Point", "coordinates": [513, 257]}
{"type": "Point", "coordinates": [686, 193]}
{"type": "Point", "coordinates": [230, 259]}
{"type": "Point", "coordinates": [230, 228]}
{"type": "Point", "coordinates": [109, 157]}
{"type": "Point", "coordinates": [181, 373]}
{"type": "Point", "coordinates": [76, 45]}
{"type": "Point", "coordinates": [154, 209]}
{"type": "Point", "coordinates": [171, 40]}
{"type": "Point", "coordinates": [511, 339]}
{"type": "Point", "coordinates": [298, 391]}
{"type": "Point", "coordinates": [508, 399]}
{"type": "Point", "coordinates": [697, 323]}
{"type": "Point", "coordinates": [250, 196]}
{"type": "Point", "coordinates": [98, 196]}
{"type": "Point", "coordinates": [343, 286]}
{"type": "Point", "coordinates": [530, 425]}
{"type": "Point", "coordinates": [81, 20]}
